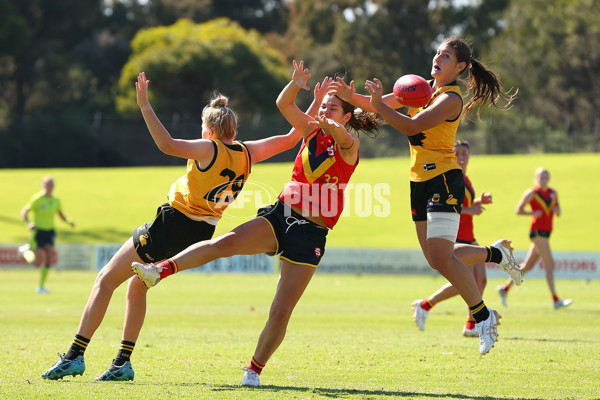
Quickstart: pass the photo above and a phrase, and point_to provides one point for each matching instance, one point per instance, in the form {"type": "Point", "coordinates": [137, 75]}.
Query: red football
{"type": "Point", "coordinates": [412, 90]}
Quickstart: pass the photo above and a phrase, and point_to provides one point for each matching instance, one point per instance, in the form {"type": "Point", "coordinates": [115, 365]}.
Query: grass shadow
{"type": "Point", "coordinates": [352, 393]}
{"type": "Point", "coordinates": [550, 340]}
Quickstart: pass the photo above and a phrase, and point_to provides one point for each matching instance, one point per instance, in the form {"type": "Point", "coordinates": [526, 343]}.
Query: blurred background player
{"type": "Point", "coordinates": [543, 203]}
{"type": "Point", "coordinates": [471, 206]}
{"type": "Point", "coordinates": [40, 250]}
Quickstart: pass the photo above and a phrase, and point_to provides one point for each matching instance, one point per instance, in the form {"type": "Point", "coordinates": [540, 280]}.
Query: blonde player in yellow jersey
{"type": "Point", "coordinates": [217, 168]}
{"type": "Point", "coordinates": [436, 180]}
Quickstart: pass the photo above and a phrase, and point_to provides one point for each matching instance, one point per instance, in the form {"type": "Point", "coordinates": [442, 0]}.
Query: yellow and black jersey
{"type": "Point", "coordinates": [203, 194]}
{"type": "Point", "coordinates": [432, 151]}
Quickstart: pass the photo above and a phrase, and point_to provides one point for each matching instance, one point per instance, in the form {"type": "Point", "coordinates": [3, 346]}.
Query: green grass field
{"type": "Point", "coordinates": [107, 204]}
{"type": "Point", "coordinates": [351, 337]}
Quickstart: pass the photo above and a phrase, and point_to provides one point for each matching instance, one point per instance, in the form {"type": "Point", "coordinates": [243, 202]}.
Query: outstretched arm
{"type": "Point", "coordinates": [286, 99]}
{"type": "Point", "coordinates": [446, 107]}
{"type": "Point", "coordinates": [268, 147]}
{"type": "Point", "coordinates": [200, 149]}
{"type": "Point", "coordinates": [348, 93]}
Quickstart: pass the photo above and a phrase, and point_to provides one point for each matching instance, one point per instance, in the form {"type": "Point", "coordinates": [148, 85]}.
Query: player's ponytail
{"type": "Point", "coordinates": [362, 121]}
{"type": "Point", "coordinates": [482, 82]}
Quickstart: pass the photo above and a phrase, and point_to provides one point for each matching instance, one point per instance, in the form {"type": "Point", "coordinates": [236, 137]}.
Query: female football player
{"type": "Point", "coordinates": [471, 206]}
{"type": "Point", "coordinates": [217, 168]}
{"type": "Point", "coordinates": [543, 203]}
{"type": "Point", "coordinates": [436, 180]}
{"type": "Point", "coordinates": [295, 226]}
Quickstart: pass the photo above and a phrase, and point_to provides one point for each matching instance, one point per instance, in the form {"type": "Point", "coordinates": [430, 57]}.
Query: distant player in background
{"type": "Point", "coordinates": [296, 226]}
{"type": "Point", "coordinates": [543, 203]}
{"type": "Point", "coordinates": [40, 250]}
{"type": "Point", "coordinates": [436, 180]}
{"type": "Point", "coordinates": [471, 206]}
{"type": "Point", "coordinates": [218, 165]}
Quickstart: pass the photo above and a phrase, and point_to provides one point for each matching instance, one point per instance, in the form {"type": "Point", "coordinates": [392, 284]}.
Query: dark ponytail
{"type": "Point", "coordinates": [482, 82]}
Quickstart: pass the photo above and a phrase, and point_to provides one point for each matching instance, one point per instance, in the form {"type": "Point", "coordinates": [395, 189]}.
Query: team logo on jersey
{"type": "Point", "coordinates": [417, 140]}
{"type": "Point", "coordinates": [316, 164]}
{"type": "Point", "coordinates": [428, 167]}
{"type": "Point", "coordinates": [317, 252]}
{"type": "Point", "coordinates": [143, 239]}
{"type": "Point", "coordinates": [436, 198]}
{"type": "Point", "coordinates": [451, 200]}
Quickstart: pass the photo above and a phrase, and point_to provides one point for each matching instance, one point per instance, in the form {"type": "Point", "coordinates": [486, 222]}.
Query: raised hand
{"type": "Point", "coordinates": [342, 90]}
{"type": "Point", "coordinates": [141, 88]}
{"type": "Point", "coordinates": [486, 198]}
{"type": "Point", "coordinates": [322, 88]}
{"type": "Point", "coordinates": [375, 88]}
{"type": "Point", "coordinates": [300, 75]}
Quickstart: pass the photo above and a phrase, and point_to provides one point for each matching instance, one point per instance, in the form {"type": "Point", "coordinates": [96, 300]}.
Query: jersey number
{"type": "Point", "coordinates": [236, 186]}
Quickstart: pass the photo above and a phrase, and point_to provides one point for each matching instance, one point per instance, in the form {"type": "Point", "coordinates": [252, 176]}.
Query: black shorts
{"type": "Point", "coordinates": [43, 238]}
{"type": "Point", "coordinates": [169, 233]}
{"type": "Point", "coordinates": [535, 233]}
{"type": "Point", "coordinates": [474, 242]}
{"type": "Point", "coordinates": [443, 193]}
{"type": "Point", "coordinates": [298, 240]}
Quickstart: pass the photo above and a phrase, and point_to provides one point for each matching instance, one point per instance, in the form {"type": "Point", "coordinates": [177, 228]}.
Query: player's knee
{"type": "Point", "coordinates": [440, 262]}
{"type": "Point", "coordinates": [279, 316]}
{"type": "Point", "coordinates": [135, 287]}
{"type": "Point", "coordinates": [104, 281]}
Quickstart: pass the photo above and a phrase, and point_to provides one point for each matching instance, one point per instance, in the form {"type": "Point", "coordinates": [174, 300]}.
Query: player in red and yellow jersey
{"type": "Point", "coordinates": [295, 226]}
{"type": "Point", "coordinates": [543, 203]}
{"type": "Point", "coordinates": [436, 180]}
{"type": "Point", "coordinates": [218, 166]}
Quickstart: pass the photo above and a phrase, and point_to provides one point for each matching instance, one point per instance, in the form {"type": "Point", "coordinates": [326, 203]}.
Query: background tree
{"type": "Point", "coordinates": [65, 76]}
{"type": "Point", "coordinates": [188, 62]}
{"type": "Point", "coordinates": [551, 52]}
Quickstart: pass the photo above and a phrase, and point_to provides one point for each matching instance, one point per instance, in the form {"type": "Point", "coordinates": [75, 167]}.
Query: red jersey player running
{"type": "Point", "coordinates": [295, 226]}
{"type": "Point", "coordinates": [543, 202]}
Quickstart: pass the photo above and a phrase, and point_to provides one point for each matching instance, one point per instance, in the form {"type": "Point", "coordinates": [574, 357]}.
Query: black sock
{"type": "Point", "coordinates": [480, 312]}
{"type": "Point", "coordinates": [77, 347]}
{"type": "Point", "coordinates": [124, 353]}
{"type": "Point", "coordinates": [493, 255]}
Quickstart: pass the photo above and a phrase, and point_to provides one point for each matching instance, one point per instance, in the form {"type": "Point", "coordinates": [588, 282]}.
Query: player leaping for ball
{"type": "Point", "coordinates": [436, 180]}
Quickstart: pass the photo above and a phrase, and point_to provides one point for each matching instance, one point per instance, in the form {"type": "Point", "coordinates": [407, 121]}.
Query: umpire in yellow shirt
{"type": "Point", "coordinates": [40, 251]}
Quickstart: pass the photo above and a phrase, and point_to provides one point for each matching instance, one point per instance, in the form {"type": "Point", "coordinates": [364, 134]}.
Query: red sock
{"type": "Point", "coordinates": [255, 366]}
{"type": "Point", "coordinates": [470, 323]}
{"type": "Point", "coordinates": [426, 305]}
{"type": "Point", "coordinates": [506, 287]}
{"type": "Point", "coordinates": [169, 267]}
{"type": "Point", "coordinates": [554, 298]}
